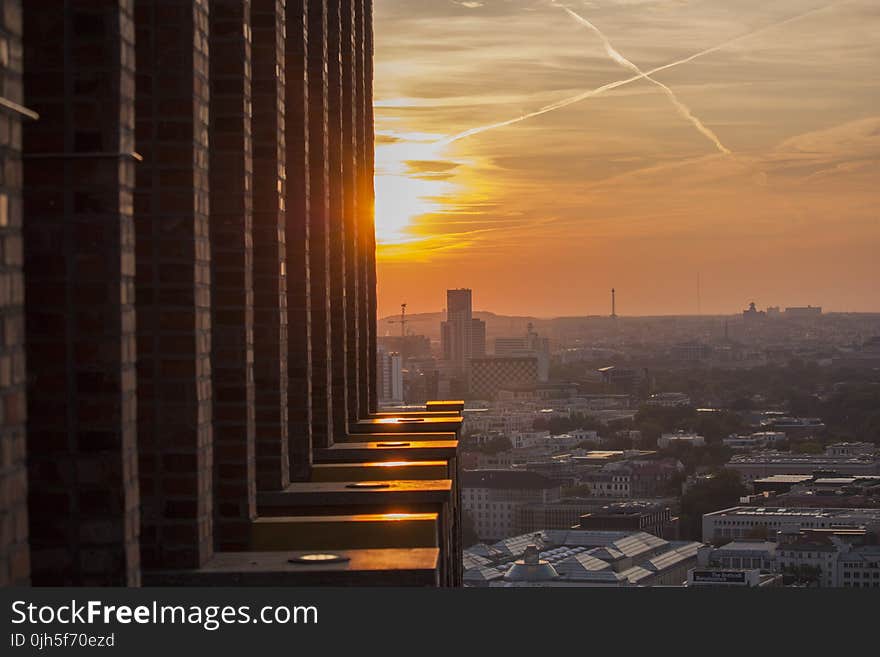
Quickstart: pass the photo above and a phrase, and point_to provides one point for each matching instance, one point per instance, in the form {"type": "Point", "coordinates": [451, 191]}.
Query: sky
{"type": "Point", "coordinates": [695, 155]}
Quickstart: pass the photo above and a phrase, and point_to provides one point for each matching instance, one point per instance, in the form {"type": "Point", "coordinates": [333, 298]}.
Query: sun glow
{"type": "Point", "coordinates": [406, 186]}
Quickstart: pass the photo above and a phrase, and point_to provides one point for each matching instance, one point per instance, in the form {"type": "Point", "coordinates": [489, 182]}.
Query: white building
{"type": "Point", "coordinates": [758, 440]}
{"type": "Point", "coordinates": [609, 483]}
{"type": "Point", "coordinates": [766, 464]}
{"type": "Point", "coordinates": [753, 554]}
{"type": "Point", "coordinates": [526, 439]}
{"type": "Point", "coordinates": [669, 399]}
{"type": "Point", "coordinates": [680, 438]}
{"type": "Point", "coordinates": [390, 379]}
{"type": "Point", "coordinates": [746, 521]}
{"type": "Point", "coordinates": [859, 568]}
{"type": "Point", "coordinates": [833, 562]}
{"type": "Point", "coordinates": [491, 497]}
{"type": "Point", "coordinates": [851, 449]}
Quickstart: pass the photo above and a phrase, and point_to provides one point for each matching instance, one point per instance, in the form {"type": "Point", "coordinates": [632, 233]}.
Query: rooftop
{"type": "Point", "coordinates": [841, 513]}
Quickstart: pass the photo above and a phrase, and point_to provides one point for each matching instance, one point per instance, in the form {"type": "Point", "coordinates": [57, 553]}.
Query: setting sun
{"type": "Point", "coordinates": [406, 187]}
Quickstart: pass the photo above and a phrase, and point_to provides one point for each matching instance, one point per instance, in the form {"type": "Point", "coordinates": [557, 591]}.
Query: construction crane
{"type": "Point", "coordinates": [403, 321]}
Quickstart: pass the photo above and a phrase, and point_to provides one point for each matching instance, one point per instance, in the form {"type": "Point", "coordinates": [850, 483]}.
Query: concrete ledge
{"type": "Point", "coordinates": [380, 470]}
{"type": "Point", "coordinates": [412, 425]}
{"type": "Point", "coordinates": [386, 437]}
{"type": "Point", "coordinates": [391, 447]}
{"type": "Point", "coordinates": [372, 567]}
{"type": "Point", "coordinates": [360, 531]}
{"type": "Point", "coordinates": [329, 497]}
{"type": "Point", "coordinates": [456, 405]}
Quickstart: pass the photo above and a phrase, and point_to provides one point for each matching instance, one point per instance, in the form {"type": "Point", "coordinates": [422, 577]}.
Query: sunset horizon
{"type": "Point", "coordinates": [695, 156]}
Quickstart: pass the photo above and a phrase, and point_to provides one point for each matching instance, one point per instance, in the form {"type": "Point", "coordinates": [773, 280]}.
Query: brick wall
{"type": "Point", "coordinates": [232, 298]}
{"type": "Point", "coordinates": [319, 224]}
{"type": "Point", "coordinates": [362, 210]}
{"type": "Point", "coordinates": [337, 234]}
{"type": "Point", "coordinates": [79, 273]}
{"type": "Point", "coordinates": [173, 283]}
{"type": "Point", "coordinates": [368, 207]}
{"type": "Point", "coordinates": [270, 250]}
{"type": "Point", "coordinates": [349, 201]}
{"type": "Point", "coordinates": [191, 242]}
{"type": "Point", "coordinates": [14, 554]}
{"type": "Point", "coordinates": [299, 316]}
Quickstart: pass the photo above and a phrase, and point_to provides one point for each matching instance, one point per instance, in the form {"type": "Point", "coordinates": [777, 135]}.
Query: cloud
{"type": "Point", "coordinates": [431, 168]}
{"type": "Point", "coordinates": [619, 189]}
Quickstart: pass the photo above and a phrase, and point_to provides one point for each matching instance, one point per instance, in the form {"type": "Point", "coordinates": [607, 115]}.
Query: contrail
{"type": "Point", "coordinates": [618, 57]}
{"type": "Point", "coordinates": [571, 100]}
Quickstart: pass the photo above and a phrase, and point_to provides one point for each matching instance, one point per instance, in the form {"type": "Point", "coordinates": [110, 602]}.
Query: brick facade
{"type": "Point", "coordinates": [175, 430]}
{"type": "Point", "coordinates": [299, 314]}
{"type": "Point", "coordinates": [350, 200]}
{"type": "Point", "coordinates": [79, 272]}
{"type": "Point", "coordinates": [14, 554]}
{"type": "Point", "coordinates": [187, 269]}
{"type": "Point", "coordinates": [367, 209]}
{"type": "Point", "coordinates": [319, 225]}
{"type": "Point", "coordinates": [232, 297]}
{"type": "Point", "coordinates": [336, 223]}
{"type": "Point", "coordinates": [270, 248]}
{"type": "Point", "coordinates": [362, 208]}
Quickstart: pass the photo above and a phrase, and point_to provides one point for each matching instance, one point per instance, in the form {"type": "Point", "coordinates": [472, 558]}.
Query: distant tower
{"type": "Point", "coordinates": [613, 304]}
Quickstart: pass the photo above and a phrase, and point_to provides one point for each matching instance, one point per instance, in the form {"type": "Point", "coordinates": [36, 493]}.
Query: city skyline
{"type": "Point", "coordinates": [535, 153]}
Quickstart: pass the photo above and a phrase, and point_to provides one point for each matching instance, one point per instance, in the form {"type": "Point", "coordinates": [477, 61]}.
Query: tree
{"type": "Point", "coordinates": [577, 491]}
{"type": "Point", "coordinates": [469, 535]}
{"type": "Point", "coordinates": [719, 491]}
{"type": "Point", "coordinates": [809, 447]}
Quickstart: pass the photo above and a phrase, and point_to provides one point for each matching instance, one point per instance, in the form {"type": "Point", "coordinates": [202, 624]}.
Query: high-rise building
{"type": "Point", "coordinates": [478, 338]}
{"type": "Point", "coordinates": [390, 376]}
{"type": "Point", "coordinates": [462, 337]}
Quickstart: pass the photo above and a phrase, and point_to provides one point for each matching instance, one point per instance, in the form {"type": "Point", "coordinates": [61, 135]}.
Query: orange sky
{"type": "Point", "coordinates": [753, 166]}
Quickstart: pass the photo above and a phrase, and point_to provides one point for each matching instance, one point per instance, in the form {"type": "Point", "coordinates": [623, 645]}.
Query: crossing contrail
{"type": "Point", "coordinates": [571, 100]}
{"type": "Point", "coordinates": [618, 57]}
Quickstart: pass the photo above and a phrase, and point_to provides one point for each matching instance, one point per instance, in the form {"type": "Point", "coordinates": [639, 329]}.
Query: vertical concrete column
{"type": "Point", "coordinates": [232, 297]}
{"type": "Point", "coordinates": [79, 277]}
{"type": "Point", "coordinates": [368, 207]}
{"type": "Point", "coordinates": [173, 283]}
{"type": "Point", "coordinates": [319, 224]}
{"type": "Point", "coordinates": [362, 210]}
{"type": "Point", "coordinates": [337, 235]}
{"type": "Point", "coordinates": [349, 202]}
{"type": "Point", "coordinates": [297, 241]}
{"type": "Point", "coordinates": [14, 553]}
{"type": "Point", "coordinates": [270, 251]}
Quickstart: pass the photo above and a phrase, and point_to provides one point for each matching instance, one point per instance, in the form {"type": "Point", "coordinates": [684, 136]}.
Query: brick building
{"type": "Point", "coordinates": [490, 374]}
{"type": "Point", "coordinates": [188, 303]}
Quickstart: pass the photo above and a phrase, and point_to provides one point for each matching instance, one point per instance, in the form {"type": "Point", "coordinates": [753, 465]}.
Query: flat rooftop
{"type": "Point", "coordinates": [772, 511]}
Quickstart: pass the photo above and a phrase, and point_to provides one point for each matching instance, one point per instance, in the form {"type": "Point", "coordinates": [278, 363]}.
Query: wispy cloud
{"type": "Point", "coordinates": [680, 107]}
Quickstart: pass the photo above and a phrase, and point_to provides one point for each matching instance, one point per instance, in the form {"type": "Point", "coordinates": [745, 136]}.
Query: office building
{"type": "Point", "coordinates": [680, 438]}
{"type": "Point", "coordinates": [389, 377]}
{"type": "Point", "coordinates": [487, 376]}
{"type": "Point", "coordinates": [457, 332]}
{"type": "Point", "coordinates": [757, 465]}
{"type": "Point", "coordinates": [491, 497]}
{"type": "Point", "coordinates": [756, 522]}
{"type": "Point", "coordinates": [530, 345]}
